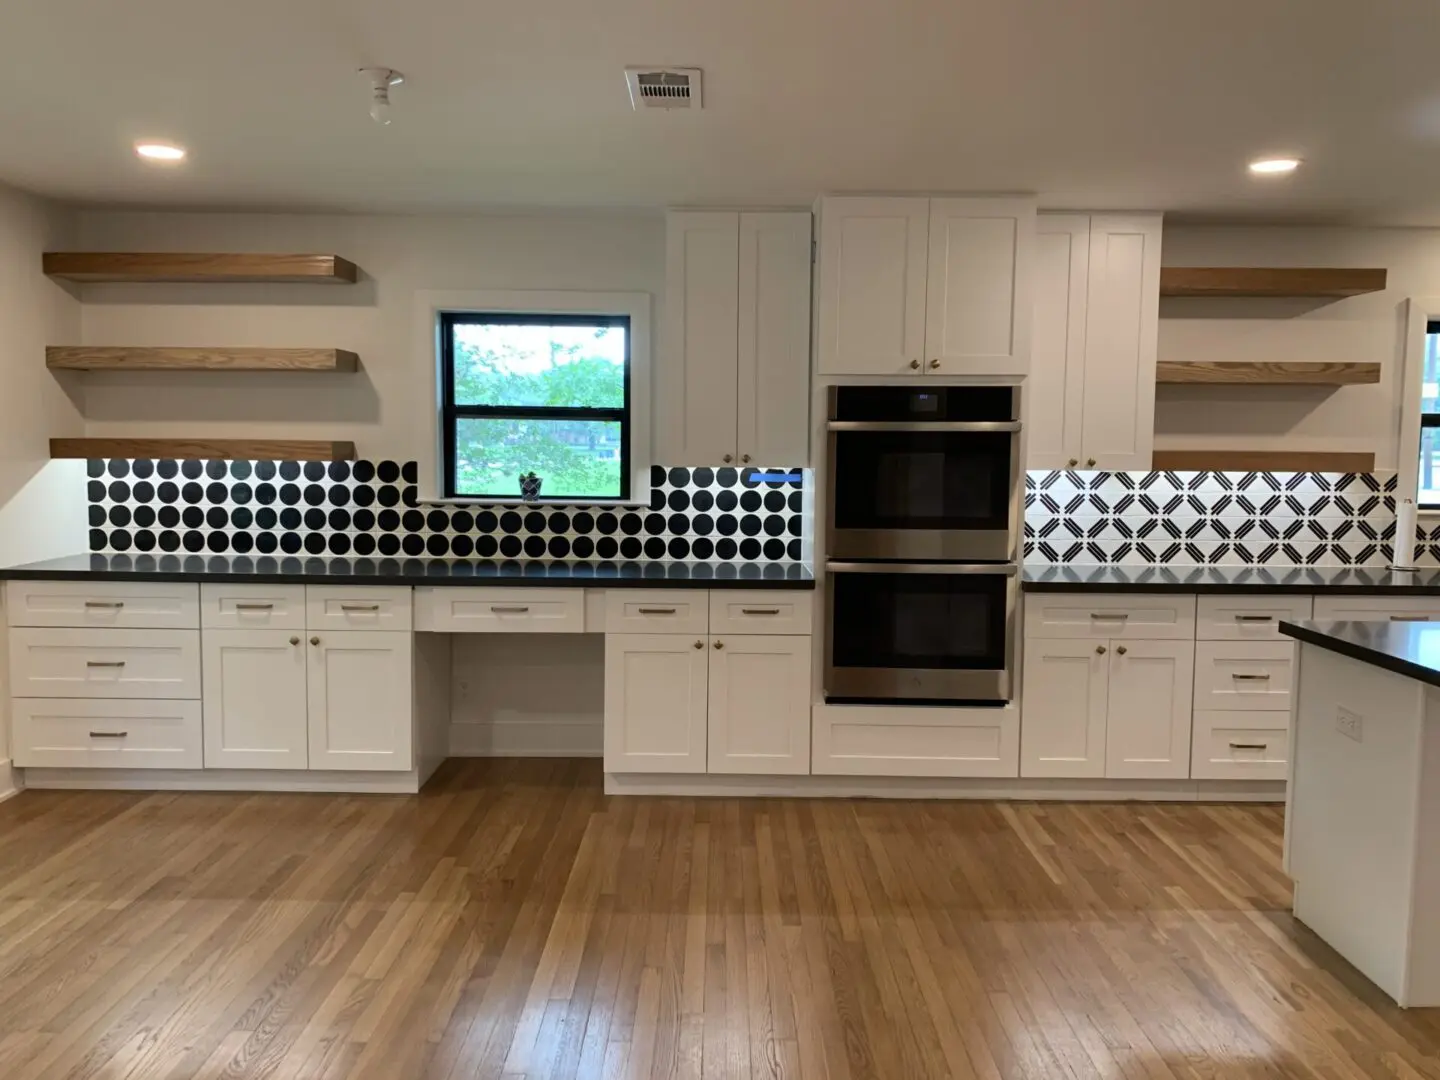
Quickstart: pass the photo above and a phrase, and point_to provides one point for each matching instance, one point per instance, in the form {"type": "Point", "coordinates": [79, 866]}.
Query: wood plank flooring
{"type": "Point", "coordinates": [514, 922]}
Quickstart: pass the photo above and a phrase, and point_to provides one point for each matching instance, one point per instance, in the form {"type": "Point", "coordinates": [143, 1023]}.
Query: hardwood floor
{"type": "Point", "coordinates": [514, 922]}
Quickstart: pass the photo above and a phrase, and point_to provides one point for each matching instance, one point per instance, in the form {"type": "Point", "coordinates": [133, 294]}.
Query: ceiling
{"type": "Point", "coordinates": [1135, 104]}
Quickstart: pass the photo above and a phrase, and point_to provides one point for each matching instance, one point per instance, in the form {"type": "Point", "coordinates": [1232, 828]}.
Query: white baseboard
{"type": "Point", "coordinates": [357, 783]}
{"type": "Point", "coordinates": [889, 787]}
{"type": "Point", "coordinates": [530, 737]}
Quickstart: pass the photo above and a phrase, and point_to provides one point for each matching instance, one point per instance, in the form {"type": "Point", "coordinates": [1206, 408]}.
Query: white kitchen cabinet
{"type": "Point", "coordinates": [979, 308]}
{"type": "Point", "coordinates": [1096, 326]}
{"type": "Point", "coordinates": [360, 700]}
{"type": "Point", "coordinates": [737, 338]}
{"type": "Point", "coordinates": [759, 704]}
{"type": "Point", "coordinates": [1147, 731]}
{"type": "Point", "coordinates": [872, 285]}
{"type": "Point", "coordinates": [891, 740]}
{"type": "Point", "coordinates": [255, 699]}
{"type": "Point", "coordinates": [70, 733]}
{"type": "Point", "coordinates": [1066, 699]}
{"type": "Point", "coordinates": [656, 700]}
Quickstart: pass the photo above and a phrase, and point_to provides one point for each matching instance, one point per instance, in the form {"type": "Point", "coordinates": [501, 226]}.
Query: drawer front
{"type": "Point", "coordinates": [365, 607]}
{"type": "Point", "coordinates": [47, 663]}
{"type": "Point", "coordinates": [252, 607]}
{"type": "Point", "coordinates": [1377, 608]}
{"type": "Point", "coordinates": [759, 612]}
{"type": "Point", "coordinates": [1248, 618]}
{"type": "Point", "coordinates": [1099, 617]}
{"type": "Point", "coordinates": [500, 610]}
{"type": "Point", "coordinates": [1239, 746]}
{"type": "Point", "coordinates": [156, 606]}
{"type": "Point", "coordinates": [657, 611]}
{"type": "Point", "coordinates": [1243, 676]}
{"type": "Point", "coordinates": [59, 734]}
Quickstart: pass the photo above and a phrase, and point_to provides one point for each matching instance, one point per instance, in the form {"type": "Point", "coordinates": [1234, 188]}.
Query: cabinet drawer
{"type": "Point", "coordinates": [1243, 675]}
{"type": "Point", "coordinates": [1377, 608]}
{"type": "Point", "coordinates": [47, 663]}
{"type": "Point", "coordinates": [759, 612]}
{"type": "Point", "coordinates": [1099, 617]}
{"type": "Point", "coordinates": [157, 606]}
{"type": "Point", "coordinates": [258, 607]}
{"type": "Point", "coordinates": [1240, 746]}
{"type": "Point", "coordinates": [656, 611]}
{"type": "Point", "coordinates": [500, 610]}
{"type": "Point", "coordinates": [1248, 618]}
{"type": "Point", "coordinates": [57, 734]}
{"type": "Point", "coordinates": [366, 607]}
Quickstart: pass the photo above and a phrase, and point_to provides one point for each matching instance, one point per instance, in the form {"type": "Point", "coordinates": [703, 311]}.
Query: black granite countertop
{"type": "Point", "coordinates": [1406, 648]}
{"type": "Point", "coordinates": [1354, 581]}
{"type": "Point", "coordinates": [301, 570]}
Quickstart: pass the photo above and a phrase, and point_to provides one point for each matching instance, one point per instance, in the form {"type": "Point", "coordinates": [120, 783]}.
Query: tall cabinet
{"type": "Point", "coordinates": [737, 338]}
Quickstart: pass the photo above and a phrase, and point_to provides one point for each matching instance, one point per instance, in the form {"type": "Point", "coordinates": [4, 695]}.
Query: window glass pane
{"type": "Point", "coordinates": [576, 366]}
{"type": "Point", "coordinates": [574, 458]}
{"type": "Point", "coordinates": [1430, 390]}
{"type": "Point", "coordinates": [1429, 467]}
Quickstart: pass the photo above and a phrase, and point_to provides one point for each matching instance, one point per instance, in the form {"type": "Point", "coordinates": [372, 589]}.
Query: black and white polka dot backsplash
{"type": "Point", "coordinates": [373, 508]}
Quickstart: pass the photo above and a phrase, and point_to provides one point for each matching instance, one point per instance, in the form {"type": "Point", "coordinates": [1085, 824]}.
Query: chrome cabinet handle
{"type": "Point", "coordinates": [719, 644]}
{"type": "Point", "coordinates": [1254, 618]}
{"type": "Point", "coordinates": [759, 611]}
{"type": "Point", "coordinates": [1099, 650]}
{"type": "Point", "coordinates": [1251, 678]}
{"type": "Point", "coordinates": [1109, 615]}
{"type": "Point", "coordinates": [1409, 618]}
{"type": "Point", "coordinates": [359, 607]}
{"type": "Point", "coordinates": [914, 365]}
{"type": "Point", "coordinates": [104, 663]}
{"type": "Point", "coordinates": [934, 365]}
{"type": "Point", "coordinates": [1249, 746]}
{"type": "Point", "coordinates": [1121, 649]}
{"type": "Point", "coordinates": [519, 609]}
{"type": "Point", "coordinates": [104, 603]}
{"type": "Point", "coordinates": [108, 734]}
{"type": "Point", "coordinates": [699, 644]}
{"type": "Point", "coordinates": [254, 607]}
{"type": "Point", "coordinates": [294, 641]}
{"type": "Point", "coordinates": [657, 611]}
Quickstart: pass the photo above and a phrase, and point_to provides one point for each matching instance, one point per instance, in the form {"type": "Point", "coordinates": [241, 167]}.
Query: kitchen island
{"type": "Point", "coordinates": [1362, 838]}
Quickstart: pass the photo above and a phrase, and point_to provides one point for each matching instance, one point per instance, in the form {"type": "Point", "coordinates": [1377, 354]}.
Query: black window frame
{"type": "Point", "coordinates": [1427, 420]}
{"type": "Point", "coordinates": [450, 412]}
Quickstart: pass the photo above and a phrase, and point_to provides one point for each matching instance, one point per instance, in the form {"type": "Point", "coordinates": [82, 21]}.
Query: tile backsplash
{"type": "Point", "coordinates": [373, 508]}
{"type": "Point", "coordinates": [1214, 518]}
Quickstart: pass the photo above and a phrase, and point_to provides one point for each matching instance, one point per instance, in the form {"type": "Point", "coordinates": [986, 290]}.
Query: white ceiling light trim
{"type": "Point", "coordinates": [166, 153]}
{"type": "Point", "coordinates": [1277, 166]}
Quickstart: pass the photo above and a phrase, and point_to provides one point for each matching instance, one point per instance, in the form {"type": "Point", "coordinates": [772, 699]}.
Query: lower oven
{"type": "Point", "coordinates": [920, 632]}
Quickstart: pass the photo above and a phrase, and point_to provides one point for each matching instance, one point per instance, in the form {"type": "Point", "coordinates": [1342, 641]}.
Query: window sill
{"type": "Point", "coordinates": [520, 504]}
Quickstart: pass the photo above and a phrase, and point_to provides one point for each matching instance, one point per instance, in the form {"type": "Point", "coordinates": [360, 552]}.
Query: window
{"type": "Point", "coordinates": [1429, 497]}
{"type": "Point", "coordinates": [543, 393]}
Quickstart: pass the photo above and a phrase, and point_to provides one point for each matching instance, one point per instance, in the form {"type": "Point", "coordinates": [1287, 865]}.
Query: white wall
{"type": "Point", "coordinates": [1364, 328]}
{"type": "Point", "coordinates": [42, 512]}
{"type": "Point", "coordinates": [383, 408]}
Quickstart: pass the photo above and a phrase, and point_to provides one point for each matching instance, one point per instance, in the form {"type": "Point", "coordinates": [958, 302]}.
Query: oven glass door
{"type": "Point", "coordinates": [898, 632]}
{"type": "Point", "coordinates": [925, 480]}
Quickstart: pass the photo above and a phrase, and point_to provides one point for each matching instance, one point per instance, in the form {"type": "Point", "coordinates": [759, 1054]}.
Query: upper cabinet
{"type": "Point", "coordinates": [916, 286]}
{"type": "Point", "coordinates": [1091, 395]}
{"type": "Point", "coordinates": [737, 338]}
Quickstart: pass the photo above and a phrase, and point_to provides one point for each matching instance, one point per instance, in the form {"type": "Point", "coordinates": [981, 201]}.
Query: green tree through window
{"type": "Point", "coordinates": [547, 394]}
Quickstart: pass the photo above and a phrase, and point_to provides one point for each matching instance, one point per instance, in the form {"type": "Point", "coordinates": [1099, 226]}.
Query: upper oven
{"type": "Point", "coordinates": [924, 473]}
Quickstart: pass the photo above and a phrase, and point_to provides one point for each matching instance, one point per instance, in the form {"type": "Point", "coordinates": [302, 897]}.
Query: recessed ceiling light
{"type": "Point", "coordinates": [1274, 166]}
{"type": "Point", "coordinates": [152, 151]}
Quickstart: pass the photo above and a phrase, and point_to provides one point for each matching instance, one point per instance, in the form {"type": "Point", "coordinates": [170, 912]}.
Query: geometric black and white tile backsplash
{"type": "Point", "coordinates": [372, 508]}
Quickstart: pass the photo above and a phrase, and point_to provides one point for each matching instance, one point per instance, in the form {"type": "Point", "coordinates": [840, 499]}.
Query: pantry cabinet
{"type": "Point", "coordinates": [1091, 394]}
{"type": "Point", "coordinates": [736, 348]}
{"type": "Point", "coordinates": [255, 699]}
{"type": "Point", "coordinates": [360, 699]}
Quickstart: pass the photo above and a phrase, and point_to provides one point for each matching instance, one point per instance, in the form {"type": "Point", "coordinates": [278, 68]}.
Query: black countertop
{"type": "Point", "coordinates": [1406, 648]}
{"type": "Point", "coordinates": [301, 570]}
{"type": "Point", "coordinates": [1353, 581]}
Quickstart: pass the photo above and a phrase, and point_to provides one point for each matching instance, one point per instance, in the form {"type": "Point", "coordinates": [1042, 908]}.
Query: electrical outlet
{"type": "Point", "coordinates": [1348, 723]}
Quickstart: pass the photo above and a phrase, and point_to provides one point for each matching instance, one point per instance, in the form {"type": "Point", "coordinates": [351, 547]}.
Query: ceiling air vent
{"type": "Point", "coordinates": [663, 88]}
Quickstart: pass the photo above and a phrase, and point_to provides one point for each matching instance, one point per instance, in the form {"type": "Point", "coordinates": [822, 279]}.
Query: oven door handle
{"type": "Point", "coordinates": [937, 425]}
{"type": "Point", "coordinates": [1000, 569]}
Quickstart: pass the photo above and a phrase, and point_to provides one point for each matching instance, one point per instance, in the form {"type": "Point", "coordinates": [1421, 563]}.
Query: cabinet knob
{"type": "Point", "coordinates": [294, 641]}
{"type": "Point", "coordinates": [1072, 462]}
{"type": "Point", "coordinates": [745, 458]}
{"type": "Point", "coordinates": [914, 365]}
{"type": "Point", "coordinates": [934, 365]}
{"type": "Point", "coordinates": [699, 644]}
{"type": "Point", "coordinates": [728, 458]}
{"type": "Point", "coordinates": [1089, 463]}
{"type": "Point", "coordinates": [314, 641]}
{"type": "Point", "coordinates": [719, 644]}
{"type": "Point", "coordinates": [1121, 649]}
{"type": "Point", "coordinates": [1099, 650]}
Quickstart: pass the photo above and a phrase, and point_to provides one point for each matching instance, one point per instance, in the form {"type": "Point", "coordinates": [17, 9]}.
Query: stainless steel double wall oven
{"type": "Point", "coordinates": [923, 540]}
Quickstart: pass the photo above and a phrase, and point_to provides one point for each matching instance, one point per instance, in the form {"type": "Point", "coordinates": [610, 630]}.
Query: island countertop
{"type": "Point", "coordinates": [1406, 648]}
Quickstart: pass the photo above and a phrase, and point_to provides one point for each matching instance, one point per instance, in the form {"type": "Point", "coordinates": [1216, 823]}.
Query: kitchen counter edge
{"type": "Point", "coordinates": [1394, 647]}
{"type": "Point", "coordinates": [1318, 580]}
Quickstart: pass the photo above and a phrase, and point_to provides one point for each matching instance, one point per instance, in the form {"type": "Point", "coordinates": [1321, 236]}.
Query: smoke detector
{"type": "Point", "coordinates": [381, 80]}
{"type": "Point", "coordinates": [664, 88]}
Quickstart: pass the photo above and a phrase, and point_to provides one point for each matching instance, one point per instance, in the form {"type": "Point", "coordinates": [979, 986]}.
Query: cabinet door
{"type": "Point", "coordinates": [1147, 733]}
{"type": "Point", "coordinates": [255, 702]}
{"type": "Point", "coordinates": [872, 285]}
{"type": "Point", "coordinates": [760, 704]}
{"type": "Point", "coordinates": [1062, 723]}
{"type": "Point", "coordinates": [979, 308]}
{"type": "Point", "coordinates": [1121, 326]}
{"type": "Point", "coordinates": [774, 359]}
{"type": "Point", "coordinates": [361, 701]}
{"type": "Point", "coordinates": [1055, 392]}
{"type": "Point", "coordinates": [655, 703]}
{"type": "Point", "coordinates": [701, 323]}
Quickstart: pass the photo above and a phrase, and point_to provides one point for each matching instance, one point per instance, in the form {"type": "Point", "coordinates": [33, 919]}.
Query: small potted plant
{"type": "Point", "coordinates": [530, 486]}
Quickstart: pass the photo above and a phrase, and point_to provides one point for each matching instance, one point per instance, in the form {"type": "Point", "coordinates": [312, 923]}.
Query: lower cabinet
{"type": "Point", "coordinates": [1147, 729]}
{"type": "Point", "coordinates": [255, 707]}
{"type": "Point", "coordinates": [1066, 697]}
{"type": "Point", "coordinates": [656, 699]}
{"type": "Point", "coordinates": [361, 700]}
{"type": "Point", "coordinates": [759, 715]}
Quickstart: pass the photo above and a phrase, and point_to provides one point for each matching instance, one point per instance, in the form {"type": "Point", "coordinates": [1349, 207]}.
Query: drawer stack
{"type": "Point", "coordinates": [105, 675]}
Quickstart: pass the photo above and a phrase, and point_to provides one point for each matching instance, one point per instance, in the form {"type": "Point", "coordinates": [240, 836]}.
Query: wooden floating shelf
{"type": "Point", "coordinates": [1260, 281]}
{"type": "Point", "coordinates": [205, 449]}
{"type": "Point", "coordinates": [1262, 461]}
{"type": "Point", "coordinates": [1238, 373]}
{"type": "Point", "coordinates": [129, 358]}
{"type": "Point", "coordinates": [86, 266]}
